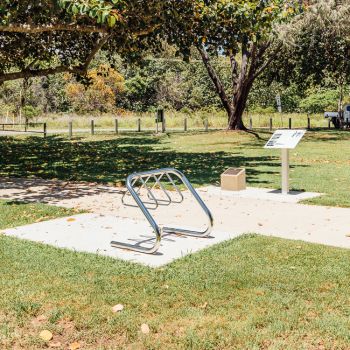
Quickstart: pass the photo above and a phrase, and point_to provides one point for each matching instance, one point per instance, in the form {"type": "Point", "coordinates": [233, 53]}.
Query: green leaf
{"type": "Point", "coordinates": [75, 9]}
{"type": "Point", "coordinates": [111, 21]}
{"type": "Point", "coordinates": [104, 16]}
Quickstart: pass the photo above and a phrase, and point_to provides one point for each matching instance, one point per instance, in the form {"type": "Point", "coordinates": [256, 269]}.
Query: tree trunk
{"type": "Point", "coordinates": [219, 86]}
{"type": "Point", "coordinates": [251, 67]}
{"type": "Point", "coordinates": [341, 97]}
{"type": "Point", "coordinates": [236, 119]}
{"type": "Point", "coordinates": [239, 104]}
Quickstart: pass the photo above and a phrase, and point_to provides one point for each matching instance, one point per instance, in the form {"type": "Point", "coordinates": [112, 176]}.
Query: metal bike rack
{"type": "Point", "coordinates": [138, 181]}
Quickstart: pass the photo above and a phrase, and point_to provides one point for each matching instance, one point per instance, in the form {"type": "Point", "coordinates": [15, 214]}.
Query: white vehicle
{"type": "Point", "coordinates": [339, 119]}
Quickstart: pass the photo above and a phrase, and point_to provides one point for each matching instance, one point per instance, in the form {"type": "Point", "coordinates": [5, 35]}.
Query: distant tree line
{"type": "Point", "coordinates": [165, 82]}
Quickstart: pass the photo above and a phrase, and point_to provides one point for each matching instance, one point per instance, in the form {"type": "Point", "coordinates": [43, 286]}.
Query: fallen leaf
{"type": "Point", "coordinates": [74, 346]}
{"type": "Point", "coordinates": [70, 220]}
{"type": "Point", "coordinates": [204, 306]}
{"type": "Point", "coordinates": [145, 328]}
{"type": "Point", "coordinates": [118, 308]}
{"type": "Point", "coordinates": [45, 335]}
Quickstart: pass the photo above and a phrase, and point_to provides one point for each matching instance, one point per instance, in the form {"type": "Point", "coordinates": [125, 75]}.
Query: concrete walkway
{"type": "Point", "coordinates": [252, 211]}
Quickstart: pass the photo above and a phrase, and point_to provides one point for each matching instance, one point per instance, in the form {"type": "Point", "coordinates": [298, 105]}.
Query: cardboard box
{"type": "Point", "coordinates": [233, 179]}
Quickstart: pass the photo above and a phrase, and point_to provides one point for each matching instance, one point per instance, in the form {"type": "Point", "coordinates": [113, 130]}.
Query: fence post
{"type": "Point", "coordinates": [163, 124]}
{"type": "Point", "coordinates": [116, 126]}
{"type": "Point", "coordinates": [290, 123]}
{"type": "Point", "coordinates": [250, 123]}
{"type": "Point", "coordinates": [139, 125]}
{"type": "Point", "coordinates": [92, 127]}
{"type": "Point", "coordinates": [185, 124]}
{"type": "Point", "coordinates": [270, 124]}
{"type": "Point", "coordinates": [70, 130]}
{"type": "Point", "coordinates": [206, 125]}
{"type": "Point", "coordinates": [45, 129]}
{"type": "Point", "coordinates": [308, 123]}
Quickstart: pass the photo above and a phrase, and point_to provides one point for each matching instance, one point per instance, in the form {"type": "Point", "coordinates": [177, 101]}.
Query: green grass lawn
{"type": "Point", "coordinates": [319, 164]}
{"type": "Point", "coordinates": [250, 293]}
{"type": "Point", "coordinates": [14, 213]}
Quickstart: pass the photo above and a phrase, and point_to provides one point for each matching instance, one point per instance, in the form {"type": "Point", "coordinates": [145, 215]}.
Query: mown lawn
{"type": "Point", "coordinates": [250, 293]}
{"type": "Point", "coordinates": [321, 162]}
{"type": "Point", "coordinates": [13, 213]}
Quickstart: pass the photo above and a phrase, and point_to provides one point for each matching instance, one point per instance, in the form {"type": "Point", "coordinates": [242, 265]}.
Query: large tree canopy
{"type": "Point", "coordinates": [243, 31]}
{"type": "Point", "coordinates": [52, 36]}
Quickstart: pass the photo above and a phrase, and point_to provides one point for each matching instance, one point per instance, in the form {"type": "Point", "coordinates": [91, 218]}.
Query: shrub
{"type": "Point", "coordinates": [30, 112]}
{"type": "Point", "coordinates": [267, 110]}
{"type": "Point", "coordinates": [318, 102]}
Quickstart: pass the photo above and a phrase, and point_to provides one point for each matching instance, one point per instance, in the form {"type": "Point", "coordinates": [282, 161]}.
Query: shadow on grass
{"type": "Point", "coordinates": [112, 160]}
{"type": "Point", "coordinates": [327, 135]}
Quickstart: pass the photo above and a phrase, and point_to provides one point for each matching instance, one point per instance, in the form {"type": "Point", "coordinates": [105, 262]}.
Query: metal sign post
{"type": "Point", "coordinates": [285, 140]}
{"type": "Point", "coordinates": [285, 170]}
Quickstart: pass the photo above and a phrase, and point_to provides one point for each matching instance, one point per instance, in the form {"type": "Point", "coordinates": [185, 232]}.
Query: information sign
{"type": "Point", "coordinates": [285, 139]}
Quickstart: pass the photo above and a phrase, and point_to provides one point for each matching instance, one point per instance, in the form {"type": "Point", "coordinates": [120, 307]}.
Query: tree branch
{"type": "Point", "coordinates": [95, 50]}
{"type": "Point", "coordinates": [254, 59]}
{"type": "Point", "coordinates": [268, 62]}
{"type": "Point", "coordinates": [32, 73]}
{"type": "Point", "coordinates": [36, 29]}
{"type": "Point", "coordinates": [243, 72]}
{"type": "Point", "coordinates": [216, 80]}
{"type": "Point", "coordinates": [234, 70]}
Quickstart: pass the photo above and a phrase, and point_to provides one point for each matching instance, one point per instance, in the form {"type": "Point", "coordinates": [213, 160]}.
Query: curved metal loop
{"type": "Point", "coordinates": [176, 188]}
{"type": "Point", "coordinates": [161, 186]}
{"type": "Point", "coordinates": [154, 201]}
{"type": "Point", "coordinates": [157, 175]}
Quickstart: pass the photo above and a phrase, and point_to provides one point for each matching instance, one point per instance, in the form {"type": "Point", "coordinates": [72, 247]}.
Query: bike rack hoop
{"type": "Point", "coordinates": [159, 175]}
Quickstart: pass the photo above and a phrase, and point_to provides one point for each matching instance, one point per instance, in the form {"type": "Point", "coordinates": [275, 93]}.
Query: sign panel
{"type": "Point", "coordinates": [279, 103]}
{"type": "Point", "coordinates": [285, 139]}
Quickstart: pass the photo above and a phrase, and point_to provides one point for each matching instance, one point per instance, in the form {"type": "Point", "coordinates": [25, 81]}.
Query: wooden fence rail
{"type": "Point", "coordinates": [267, 123]}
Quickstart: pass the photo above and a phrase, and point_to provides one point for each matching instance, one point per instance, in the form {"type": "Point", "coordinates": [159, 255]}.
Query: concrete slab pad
{"type": "Point", "coordinates": [93, 233]}
{"type": "Point", "coordinates": [264, 194]}
{"type": "Point", "coordinates": [260, 211]}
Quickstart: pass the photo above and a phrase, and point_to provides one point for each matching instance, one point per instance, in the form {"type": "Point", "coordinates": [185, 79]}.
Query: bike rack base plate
{"type": "Point", "coordinates": [92, 233]}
